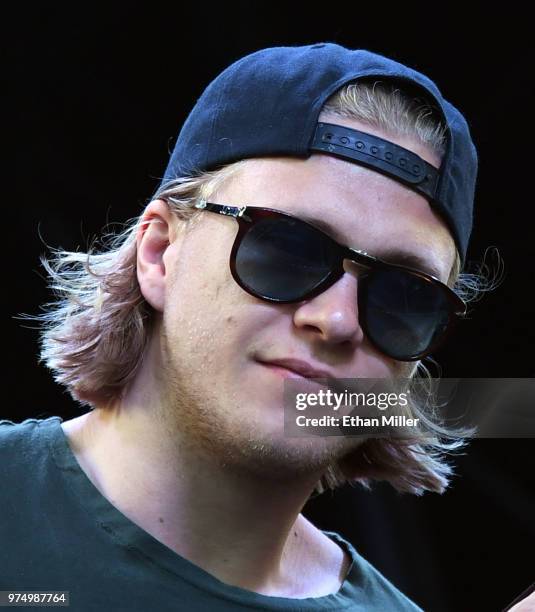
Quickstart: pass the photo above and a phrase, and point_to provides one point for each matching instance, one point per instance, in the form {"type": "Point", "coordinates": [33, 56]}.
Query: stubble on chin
{"type": "Point", "coordinates": [223, 432]}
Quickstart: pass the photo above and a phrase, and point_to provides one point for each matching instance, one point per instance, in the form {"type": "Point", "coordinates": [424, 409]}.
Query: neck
{"type": "Point", "coordinates": [245, 530]}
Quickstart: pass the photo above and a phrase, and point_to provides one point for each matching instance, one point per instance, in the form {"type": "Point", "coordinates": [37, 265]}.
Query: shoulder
{"type": "Point", "coordinates": [11, 432]}
{"type": "Point", "coordinates": [21, 443]}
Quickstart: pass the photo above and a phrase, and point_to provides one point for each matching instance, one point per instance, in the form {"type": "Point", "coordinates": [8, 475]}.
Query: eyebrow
{"type": "Point", "coordinates": [394, 256]}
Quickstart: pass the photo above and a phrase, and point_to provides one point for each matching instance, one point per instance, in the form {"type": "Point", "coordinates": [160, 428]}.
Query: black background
{"type": "Point", "coordinates": [98, 99]}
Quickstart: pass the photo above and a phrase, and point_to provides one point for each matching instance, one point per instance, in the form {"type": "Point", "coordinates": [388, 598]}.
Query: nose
{"type": "Point", "coordinates": [333, 314]}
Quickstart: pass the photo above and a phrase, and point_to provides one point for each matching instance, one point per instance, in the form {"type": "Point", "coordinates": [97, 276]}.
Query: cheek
{"type": "Point", "coordinates": [205, 309]}
{"type": "Point", "coordinates": [198, 271]}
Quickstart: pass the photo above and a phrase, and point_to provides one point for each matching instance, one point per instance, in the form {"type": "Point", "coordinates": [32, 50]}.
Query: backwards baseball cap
{"type": "Point", "coordinates": [268, 103]}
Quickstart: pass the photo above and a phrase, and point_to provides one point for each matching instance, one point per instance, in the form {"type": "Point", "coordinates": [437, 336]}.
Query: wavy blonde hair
{"type": "Point", "coordinates": [94, 333]}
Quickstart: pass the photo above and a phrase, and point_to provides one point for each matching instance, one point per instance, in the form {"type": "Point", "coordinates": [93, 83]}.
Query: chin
{"type": "Point", "coordinates": [284, 458]}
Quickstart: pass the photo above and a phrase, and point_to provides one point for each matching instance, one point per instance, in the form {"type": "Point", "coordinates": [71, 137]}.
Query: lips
{"type": "Point", "coordinates": [299, 367]}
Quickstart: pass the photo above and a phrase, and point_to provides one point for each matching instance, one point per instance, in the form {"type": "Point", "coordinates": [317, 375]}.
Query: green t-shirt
{"type": "Point", "coordinates": [59, 533]}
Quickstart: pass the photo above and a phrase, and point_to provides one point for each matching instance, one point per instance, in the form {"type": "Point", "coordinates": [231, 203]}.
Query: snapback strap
{"type": "Point", "coordinates": [378, 154]}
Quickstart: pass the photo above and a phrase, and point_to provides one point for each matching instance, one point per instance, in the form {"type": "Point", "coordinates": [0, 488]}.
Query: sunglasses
{"type": "Point", "coordinates": [276, 257]}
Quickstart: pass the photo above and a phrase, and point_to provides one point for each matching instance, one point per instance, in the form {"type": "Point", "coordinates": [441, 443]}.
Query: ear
{"type": "Point", "coordinates": [157, 231]}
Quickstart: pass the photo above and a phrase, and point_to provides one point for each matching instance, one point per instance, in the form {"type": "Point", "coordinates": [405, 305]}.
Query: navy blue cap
{"type": "Point", "coordinates": [268, 103]}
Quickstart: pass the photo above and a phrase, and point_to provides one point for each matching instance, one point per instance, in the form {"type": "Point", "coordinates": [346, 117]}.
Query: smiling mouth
{"type": "Point", "coordinates": [294, 368]}
{"type": "Point", "coordinates": [282, 371]}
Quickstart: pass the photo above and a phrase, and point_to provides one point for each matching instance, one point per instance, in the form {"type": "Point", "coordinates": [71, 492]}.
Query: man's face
{"type": "Point", "coordinates": [216, 339]}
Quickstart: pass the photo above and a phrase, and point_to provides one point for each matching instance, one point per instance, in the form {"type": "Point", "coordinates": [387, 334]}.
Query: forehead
{"type": "Point", "coordinates": [365, 209]}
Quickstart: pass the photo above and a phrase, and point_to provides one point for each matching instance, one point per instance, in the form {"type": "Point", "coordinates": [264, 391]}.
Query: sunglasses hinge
{"type": "Point", "coordinates": [362, 257]}
{"type": "Point", "coordinates": [228, 211]}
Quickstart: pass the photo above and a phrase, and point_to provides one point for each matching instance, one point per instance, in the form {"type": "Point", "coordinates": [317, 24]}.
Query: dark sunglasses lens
{"type": "Point", "coordinates": [283, 259]}
{"type": "Point", "coordinates": [404, 313]}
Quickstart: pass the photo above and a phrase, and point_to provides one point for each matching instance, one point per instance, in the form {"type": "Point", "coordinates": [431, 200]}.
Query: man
{"type": "Point", "coordinates": [179, 489]}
